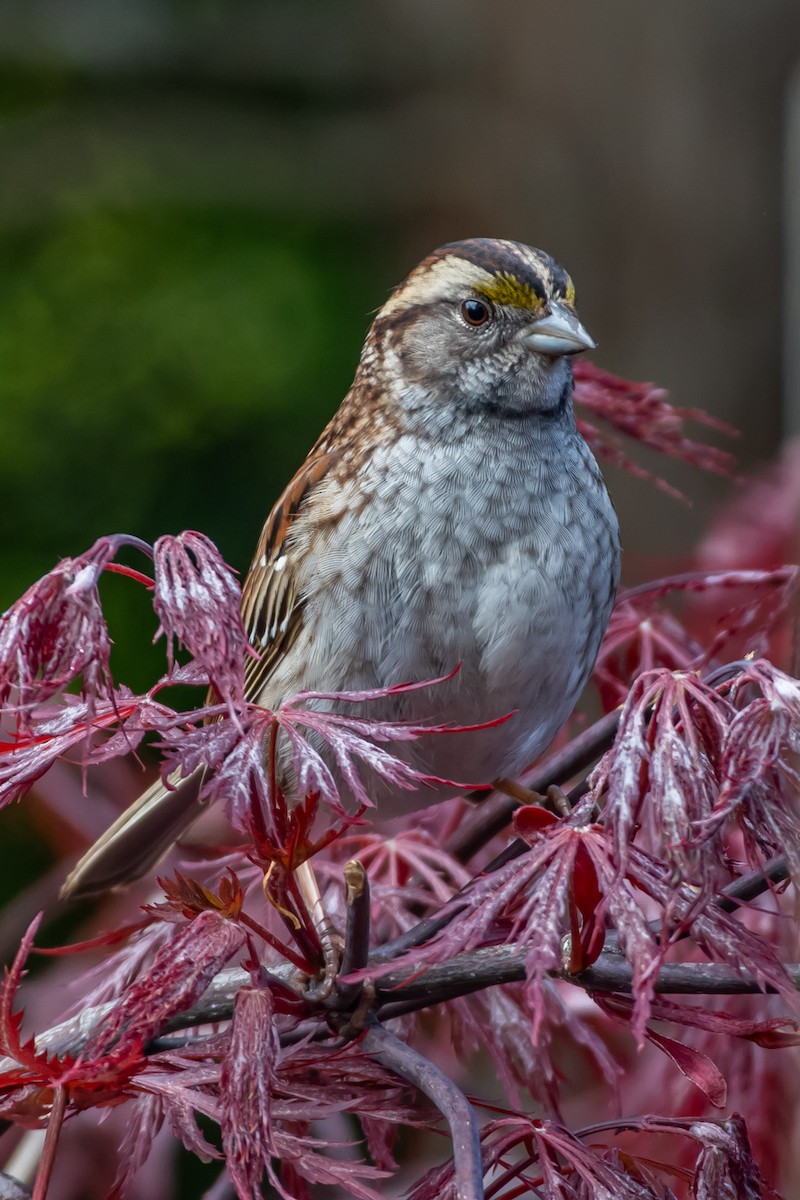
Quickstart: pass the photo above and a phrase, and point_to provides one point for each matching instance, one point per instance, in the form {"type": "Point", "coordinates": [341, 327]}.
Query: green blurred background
{"type": "Point", "coordinates": [202, 203]}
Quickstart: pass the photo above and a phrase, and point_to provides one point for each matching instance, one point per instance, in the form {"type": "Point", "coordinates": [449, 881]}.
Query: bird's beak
{"type": "Point", "coordinates": [560, 332]}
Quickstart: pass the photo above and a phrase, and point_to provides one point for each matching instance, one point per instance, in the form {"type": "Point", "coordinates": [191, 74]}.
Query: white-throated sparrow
{"type": "Point", "coordinates": [449, 514]}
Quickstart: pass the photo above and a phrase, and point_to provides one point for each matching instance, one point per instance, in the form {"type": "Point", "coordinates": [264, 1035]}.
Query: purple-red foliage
{"type": "Point", "coordinates": [748, 608]}
{"type": "Point", "coordinates": [247, 1084]}
{"type": "Point", "coordinates": [196, 599]}
{"type": "Point", "coordinates": [562, 900]}
{"type": "Point", "coordinates": [178, 976]}
{"type": "Point", "coordinates": [528, 1157]}
{"type": "Point", "coordinates": [267, 1106]}
{"type": "Point", "coordinates": [642, 412]}
{"type": "Point", "coordinates": [57, 632]}
{"type": "Point", "coordinates": [31, 1078]}
{"type": "Point", "coordinates": [690, 758]}
{"type": "Point", "coordinates": [698, 786]}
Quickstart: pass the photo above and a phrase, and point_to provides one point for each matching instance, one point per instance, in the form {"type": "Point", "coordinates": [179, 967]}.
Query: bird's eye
{"type": "Point", "coordinates": [475, 312]}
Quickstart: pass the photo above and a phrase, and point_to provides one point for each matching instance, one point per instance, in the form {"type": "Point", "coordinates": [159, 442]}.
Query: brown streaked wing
{"type": "Point", "coordinates": [271, 608]}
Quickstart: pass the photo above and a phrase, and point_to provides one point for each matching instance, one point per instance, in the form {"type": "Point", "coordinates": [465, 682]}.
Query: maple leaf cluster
{"type": "Point", "coordinates": [654, 851]}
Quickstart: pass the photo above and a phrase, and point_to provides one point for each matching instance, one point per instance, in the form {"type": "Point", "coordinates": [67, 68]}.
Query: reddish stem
{"type": "Point", "coordinates": [50, 1143]}
{"type": "Point", "coordinates": [278, 809]}
{"type": "Point", "coordinates": [131, 573]}
{"type": "Point", "coordinates": [302, 964]}
{"type": "Point", "coordinates": [513, 1172]}
{"type": "Point", "coordinates": [103, 939]}
{"type": "Point", "coordinates": [305, 935]}
{"type": "Point", "coordinates": [700, 581]}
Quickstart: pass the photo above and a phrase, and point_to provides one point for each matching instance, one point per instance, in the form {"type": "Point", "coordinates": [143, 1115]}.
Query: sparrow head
{"type": "Point", "coordinates": [483, 324]}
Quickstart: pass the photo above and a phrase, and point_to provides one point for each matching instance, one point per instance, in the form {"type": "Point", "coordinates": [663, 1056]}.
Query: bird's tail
{"type": "Point", "coordinates": [139, 837]}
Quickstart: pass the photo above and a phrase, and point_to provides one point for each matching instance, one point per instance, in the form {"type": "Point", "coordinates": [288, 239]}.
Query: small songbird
{"type": "Point", "coordinates": [449, 514]}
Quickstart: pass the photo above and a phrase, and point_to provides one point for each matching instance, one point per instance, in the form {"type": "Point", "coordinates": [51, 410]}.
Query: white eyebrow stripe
{"type": "Point", "coordinates": [443, 279]}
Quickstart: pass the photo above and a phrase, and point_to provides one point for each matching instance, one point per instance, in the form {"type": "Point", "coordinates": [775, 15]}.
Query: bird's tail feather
{"type": "Point", "coordinates": [139, 837]}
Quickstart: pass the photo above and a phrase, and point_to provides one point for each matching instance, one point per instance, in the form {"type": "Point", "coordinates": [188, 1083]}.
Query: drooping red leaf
{"type": "Point", "coordinates": [578, 885]}
{"type": "Point", "coordinates": [247, 1082]}
{"type": "Point", "coordinates": [380, 1138]}
{"type": "Point", "coordinates": [717, 933]}
{"type": "Point", "coordinates": [355, 742]}
{"type": "Point", "coordinates": [546, 1160]}
{"type": "Point", "coordinates": [735, 611]}
{"type": "Point", "coordinates": [144, 1121]}
{"type": "Point", "coordinates": [752, 746]}
{"type": "Point", "coordinates": [759, 777]}
{"type": "Point", "coordinates": [726, 1169]}
{"type": "Point", "coordinates": [642, 412]}
{"type": "Point", "coordinates": [315, 1164]}
{"type": "Point", "coordinates": [97, 729]}
{"type": "Point", "coordinates": [179, 974]}
{"type": "Point", "coordinates": [31, 1079]}
{"type": "Point", "coordinates": [772, 1032]}
{"type": "Point", "coordinates": [697, 1067]}
{"type": "Point", "coordinates": [660, 775]}
{"type": "Point", "coordinates": [295, 1099]}
{"type": "Point", "coordinates": [197, 600]}
{"type": "Point", "coordinates": [240, 775]}
{"type": "Point", "coordinates": [185, 1089]}
{"type": "Point", "coordinates": [294, 1183]}
{"type": "Point", "coordinates": [532, 900]}
{"type": "Point", "coordinates": [498, 1020]}
{"type": "Point", "coordinates": [56, 632]}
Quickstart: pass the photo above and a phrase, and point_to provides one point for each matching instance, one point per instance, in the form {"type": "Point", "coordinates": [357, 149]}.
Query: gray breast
{"type": "Point", "coordinates": [488, 555]}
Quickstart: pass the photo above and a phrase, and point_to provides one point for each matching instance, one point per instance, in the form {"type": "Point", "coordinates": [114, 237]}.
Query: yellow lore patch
{"type": "Point", "coordinates": [507, 289]}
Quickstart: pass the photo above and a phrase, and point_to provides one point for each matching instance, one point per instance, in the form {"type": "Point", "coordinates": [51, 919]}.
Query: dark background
{"type": "Point", "coordinates": [202, 203]}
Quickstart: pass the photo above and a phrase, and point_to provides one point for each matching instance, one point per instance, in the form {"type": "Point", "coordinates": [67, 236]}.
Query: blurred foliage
{"type": "Point", "coordinates": [163, 369]}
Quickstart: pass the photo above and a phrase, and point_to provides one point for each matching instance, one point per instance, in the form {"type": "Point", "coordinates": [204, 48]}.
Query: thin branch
{"type": "Point", "coordinates": [704, 581]}
{"type": "Point", "coordinates": [493, 813]}
{"type": "Point", "coordinates": [475, 970]}
{"type": "Point", "coordinates": [409, 990]}
{"type": "Point", "coordinates": [72, 1035]}
{"type": "Point", "coordinates": [398, 1057]}
{"type": "Point", "coordinates": [412, 989]}
{"type": "Point", "coordinates": [749, 887]}
{"type": "Point", "coordinates": [55, 1121]}
{"type": "Point", "coordinates": [128, 539]}
{"type": "Point", "coordinates": [356, 934]}
{"type": "Point", "coordinates": [687, 979]}
{"type": "Point", "coordinates": [462, 974]}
